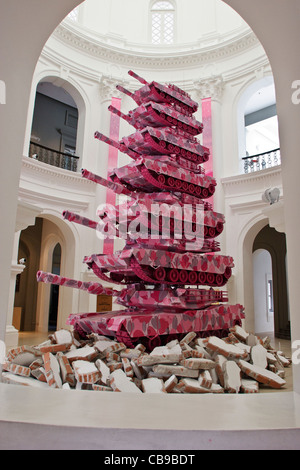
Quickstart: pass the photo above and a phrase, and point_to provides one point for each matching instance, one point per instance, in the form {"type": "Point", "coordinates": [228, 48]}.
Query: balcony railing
{"type": "Point", "coordinates": [262, 161]}
{"type": "Point", "coordinates": [52, 157]}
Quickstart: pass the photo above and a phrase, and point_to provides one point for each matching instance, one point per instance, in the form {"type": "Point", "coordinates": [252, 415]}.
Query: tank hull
{"type": "Point", "coordinates": [152, 266]}
{"type": "Point", "coordinates": [158, 327]}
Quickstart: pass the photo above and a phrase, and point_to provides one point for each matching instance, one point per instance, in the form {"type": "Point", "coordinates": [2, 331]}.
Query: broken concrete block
{"type": "Point", "coordinates": [38, 362]}
{"type": "Point", "coordinates": [131, 354]}
{"type": "Point", "coordinates": [39, 373]}
{"type": "Point", "coordinates": [170, 383]}
{"type": "Point", "coordinates": [261, 375]}
{"type": "Point", "coordinates": [67, 373]}
{"type": "Point", "coordinates": [63, 336]}
{"type": "Point", "coordinates": [259, 356]}
{"type": "Point", "coordinates": [192, 386]}
{"type": "Point", "coordinates": [11, 378]}
{"type": "Point", "coordinates": [119, 382]}
{"type": "Point", "coordinates": [216, 388]}
{"type": "Point", "coordinates": [139, 371]}
{"type": "Point", "coordinates": [167, 370]}
{"type": "Point", "coordinates": [55, 348]}
{"type": "Point", "coordinates": [86, 372]}
{"type": "Point", "coordinates": [127, 367]}
{"type": "Point", "coordinates": [17, 369]}
{"type": "Point", "coordinates": [101, 388]}
{"type": "Point", "coordinates": [104, 371]}
{"type": "Point", "coordinates": [249, 386]}
{"type": "Point", "coordinates": [220, 360]}
{"type": "Point", "coordinates": [198, 363]}
{"type": "Point", "coordinates": [153, 385]}
{"type": "Point", "coordinates": [230, 351]}
{"type": "Point", "coordinates": [52, 370]}
{"type": "Point", "coordinates": [104, 346]}
{"type": "Point", "coordinates": [232, 377]}
{"type": "Point", "coordinates": [188, 338]}
{"type": "Point", "coordinates": [252, 340]}
{"type": "Point", "coordinates": [271, 358]}
{"type": "Point", "coordinates": [205, 379]}
{"type": "Point", "coordinates": [283, 360]}
{"type": "Point", "coordinates": [149, 360]}
{"type": "Point", "coordinates": [87, 353]}
{"type": "Point", "coordinates": [239, 333]}
{"type": "Point", "coordinates": [114, 365]}
{"type": "Point", "coordinates": [23, 355]}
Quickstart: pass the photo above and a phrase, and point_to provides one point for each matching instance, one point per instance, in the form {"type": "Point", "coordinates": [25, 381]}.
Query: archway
{"type": "Point", "coordinates": [56, 122]}
{"type": "Point", "coordinates": [257, 127]}
{"type": "Point", "coordinates": [54, 289]}
{"type": "Point", "coordinates": [263, 292]}
{"type": "Point", "coordinates": [274, 243]}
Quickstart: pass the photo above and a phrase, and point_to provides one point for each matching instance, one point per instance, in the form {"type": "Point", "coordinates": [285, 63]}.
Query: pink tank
{"type": "Point", "coordinates": [170, 273]}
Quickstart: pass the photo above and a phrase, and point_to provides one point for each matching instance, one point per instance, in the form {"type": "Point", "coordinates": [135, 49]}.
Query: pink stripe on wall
{"type": "Point", "coordinates": [108, 244]}
{"type": "Point", "coordinates": [207, 137]}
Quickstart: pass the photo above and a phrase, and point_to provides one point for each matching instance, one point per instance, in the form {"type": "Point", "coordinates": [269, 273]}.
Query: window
{"type": "Point", "coordinates": [73, 15]}
{"type": "Point", "coordinates": [162, 22]}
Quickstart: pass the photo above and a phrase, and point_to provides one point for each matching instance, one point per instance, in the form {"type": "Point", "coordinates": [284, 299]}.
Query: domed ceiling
{"type": "Point", "coordinates": [159, 27]}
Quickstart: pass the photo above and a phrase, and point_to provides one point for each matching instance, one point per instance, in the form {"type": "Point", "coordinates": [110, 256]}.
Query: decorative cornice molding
{"type": "Point", "coordinates": [250, 178]}
{"type": "Point", "coordinates": [212, 87]}
{"type": "Point", "coordinates": [187, 56]}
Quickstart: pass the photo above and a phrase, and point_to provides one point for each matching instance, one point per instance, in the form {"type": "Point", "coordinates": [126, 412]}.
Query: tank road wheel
{"type": "Point", "coordinates": [219, 280]}
{"type": "Point", "coordinates": [202, 278]}
{"type": "Point", "coordinates": [191, 188]}
{"type": "Point", "coordinates": [161, 179]}
{"type": "Point", "coordinates": [160, 274]}
{"type": "Point", "coordinates": [204, 192]}
{"type": "Point", "coordinates": [193, 276]}
{"type": "Point", "coordinates": [183, 276]}
{"type": "Point", "coordinates": [185, 186]}
{"type": "Point", "coordinates": [210, 279]}
{"type": "Point", "coordinates": [211, 232]}
{"type": "Point", "coordinates": [178, 184]}
{"type": "Point", "coordinates": [162, 144]}
{"type": "Point", "coordinates": [171, 181]}
{"type": "Point", "coordinates": [173, 275]}
{"type": "Point", "coordinates": [198, 191]}
{"type": "Point", "coordinates": [171, 148]}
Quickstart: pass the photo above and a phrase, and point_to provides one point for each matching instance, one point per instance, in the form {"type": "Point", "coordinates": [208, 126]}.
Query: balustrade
{"type": "Point", "coordinates": [262, 161]}
{"type": "Point", "coordinates": [67, 161]}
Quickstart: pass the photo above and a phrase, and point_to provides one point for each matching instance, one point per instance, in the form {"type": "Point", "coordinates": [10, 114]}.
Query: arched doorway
{"type": "Point", "coordinates": [26, 285]}
{"type": "Point", "coordinates": [263, 292]}
{"type": "Point", "coordinates": [270, 282]}
{"type": "Point", "coordinates": [54, 289]}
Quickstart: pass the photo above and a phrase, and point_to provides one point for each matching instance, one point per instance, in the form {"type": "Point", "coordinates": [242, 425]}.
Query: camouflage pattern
{"type": "Point", "coordinates": [150, 324]}
{"type": "Point", "coordinates": [159, 115]}
{"type": "Point", "coordinates": [172, 283]}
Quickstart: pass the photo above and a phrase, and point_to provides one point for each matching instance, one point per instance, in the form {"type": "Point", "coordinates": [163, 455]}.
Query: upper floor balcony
{"type": "Point", "coordinates": [262, 161]}
{"type": "Point", "coordinates": [64, 160]}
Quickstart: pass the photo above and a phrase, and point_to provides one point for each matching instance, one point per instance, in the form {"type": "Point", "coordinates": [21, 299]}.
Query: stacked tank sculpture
{"type": "Point", "coordinates": [170, 267]}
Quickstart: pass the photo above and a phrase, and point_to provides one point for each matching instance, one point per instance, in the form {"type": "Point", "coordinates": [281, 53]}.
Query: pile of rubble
{"type": "Point", "coordinates": [238, 363]}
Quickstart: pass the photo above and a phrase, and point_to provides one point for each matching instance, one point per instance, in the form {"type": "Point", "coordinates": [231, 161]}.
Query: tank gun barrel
{"type": "Point", "coordinates": [137, 77]}
{"type": "Point", "coordinates": [119, 113]}
{"type": "Point", "coordinates": [78, 219]}
{"type": "Point", "coordinates": [90, 287]}
{"type": "Point", "coordinates": [117, 188]}
{"type": "Point", "coordinates": [121, 147]}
